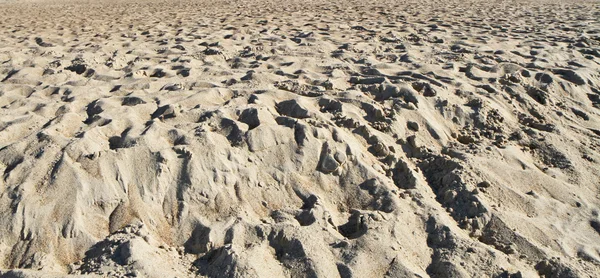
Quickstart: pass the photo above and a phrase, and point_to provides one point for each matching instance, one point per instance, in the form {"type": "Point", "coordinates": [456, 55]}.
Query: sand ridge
{"type": "Point", "coordinates": [305, 139]}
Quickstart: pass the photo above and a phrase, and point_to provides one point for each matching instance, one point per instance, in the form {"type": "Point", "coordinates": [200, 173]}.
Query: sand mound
{"type": "Point", "coordinates": [308, 139]}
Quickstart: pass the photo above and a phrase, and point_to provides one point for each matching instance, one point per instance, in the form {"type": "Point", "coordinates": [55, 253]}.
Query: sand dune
{"type": "Point", "coordinates": [304, 139]}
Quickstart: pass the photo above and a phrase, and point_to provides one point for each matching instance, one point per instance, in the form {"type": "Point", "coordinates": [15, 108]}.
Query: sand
{"type": "Point", "coordinates": [300, 139]}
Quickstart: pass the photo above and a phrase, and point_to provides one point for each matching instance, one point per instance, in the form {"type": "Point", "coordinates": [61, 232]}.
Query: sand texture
{"type": "Point", "coordinates": [300, 139]}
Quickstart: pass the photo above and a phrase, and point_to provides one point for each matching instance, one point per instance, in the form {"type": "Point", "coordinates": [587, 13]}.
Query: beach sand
{"type": "Point", "coordinates": [300, 139]}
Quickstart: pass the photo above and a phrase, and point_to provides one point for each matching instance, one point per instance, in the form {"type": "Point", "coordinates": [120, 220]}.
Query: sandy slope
{"type": "Point", "coordinates": [310, 139]}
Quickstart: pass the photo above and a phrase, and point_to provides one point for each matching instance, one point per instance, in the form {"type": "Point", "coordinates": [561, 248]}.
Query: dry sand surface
{"type": "Point", "coordinates": [304, 139]}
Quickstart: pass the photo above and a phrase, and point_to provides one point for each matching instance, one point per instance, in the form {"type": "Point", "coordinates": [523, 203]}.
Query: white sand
{"type": "Point", "coordinates": [307, 139]}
